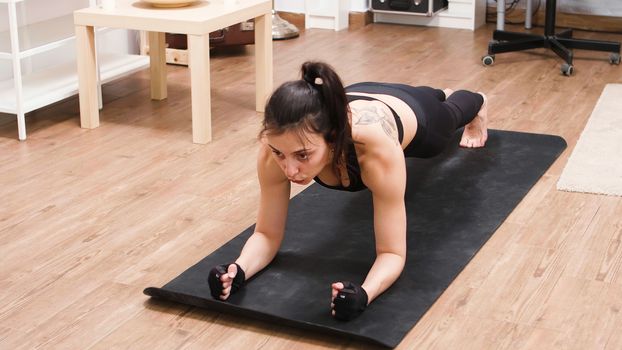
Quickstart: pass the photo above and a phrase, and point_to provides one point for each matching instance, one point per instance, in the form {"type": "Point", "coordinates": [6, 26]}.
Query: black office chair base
{"type": "Point", "coordinates": [561, 43]}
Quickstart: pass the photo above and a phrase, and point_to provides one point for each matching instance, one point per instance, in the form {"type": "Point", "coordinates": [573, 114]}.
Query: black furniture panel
{"type": "Point", "coordinates": [411, 7]}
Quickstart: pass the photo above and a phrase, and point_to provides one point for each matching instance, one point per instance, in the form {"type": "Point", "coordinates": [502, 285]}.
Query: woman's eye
{"type": "Point", "coordinates": [277, 153]}
{"type": "Point", "coordinates": [303, 156]}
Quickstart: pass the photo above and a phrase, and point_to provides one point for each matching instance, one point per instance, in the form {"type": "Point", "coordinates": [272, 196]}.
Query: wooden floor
{"type": "Point", "coordinates": [91, 217]}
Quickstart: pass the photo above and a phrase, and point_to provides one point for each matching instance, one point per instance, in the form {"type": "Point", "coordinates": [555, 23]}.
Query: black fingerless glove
{"type": "Point", "coordinates": [350, 302]}
{"type": "Point", "coordinates": [215, 284]}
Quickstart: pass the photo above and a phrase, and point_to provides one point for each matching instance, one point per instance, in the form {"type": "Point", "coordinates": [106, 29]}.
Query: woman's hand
{"type": "Point", "coordinates": [225, 280]}
{"type": "Point", "coordinates": [348, 300]}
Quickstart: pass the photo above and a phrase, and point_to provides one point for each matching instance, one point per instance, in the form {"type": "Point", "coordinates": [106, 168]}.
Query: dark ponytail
{"type": "Point", "coordinates": [317, 103]}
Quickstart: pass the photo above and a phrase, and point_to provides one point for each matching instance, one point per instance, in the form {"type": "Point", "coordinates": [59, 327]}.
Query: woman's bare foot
{"type": "Point", "coordinates": [476, 132]}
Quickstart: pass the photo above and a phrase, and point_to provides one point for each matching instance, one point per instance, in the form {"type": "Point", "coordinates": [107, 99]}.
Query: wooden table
{"type": "Point", "coordinates": [197, 21]}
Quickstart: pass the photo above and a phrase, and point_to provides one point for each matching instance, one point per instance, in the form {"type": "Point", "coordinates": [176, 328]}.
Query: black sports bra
{"type": "Point", "coordinates": [352, 164]}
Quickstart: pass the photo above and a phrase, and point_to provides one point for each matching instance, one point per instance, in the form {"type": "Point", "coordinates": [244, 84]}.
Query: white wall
{"type": "Point", "coordinates": [588, 7]}
{"type": "Point", "coordinates": [298, 6]}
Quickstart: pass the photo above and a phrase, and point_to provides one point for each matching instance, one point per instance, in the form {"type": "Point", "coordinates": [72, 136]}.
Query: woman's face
{"type": "Point", "coordinates": [301, 156]}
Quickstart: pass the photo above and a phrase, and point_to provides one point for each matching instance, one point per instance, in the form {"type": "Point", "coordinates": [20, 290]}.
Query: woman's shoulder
{"type": "Point", "coordinates": [373, 125]}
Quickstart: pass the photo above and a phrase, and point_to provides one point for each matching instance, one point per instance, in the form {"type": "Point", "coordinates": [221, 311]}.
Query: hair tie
{"type": "Point", "coordinates": [316, 82]}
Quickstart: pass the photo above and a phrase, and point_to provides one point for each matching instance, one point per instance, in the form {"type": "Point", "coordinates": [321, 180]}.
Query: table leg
{"type": "Point", "coordinates": [198, 48]}
{"type": "Point", "coordinates": [87, 77]}
{"type": "Point", "coordinates": [263, 60]}
{"type": "Point", "coordinates": [157, 65]}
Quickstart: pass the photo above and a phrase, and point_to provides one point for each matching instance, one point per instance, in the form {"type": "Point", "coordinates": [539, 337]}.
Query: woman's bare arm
{"type": "Point", "coordinates": [384, 172]}
{"type": "Point", "coordinates": [386, 178]}
{"type": "Point", "coordinates": [262, 246]}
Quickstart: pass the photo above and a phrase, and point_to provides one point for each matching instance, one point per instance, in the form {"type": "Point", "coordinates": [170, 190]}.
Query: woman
{"type": "Point", "coordinates": [348, 139]}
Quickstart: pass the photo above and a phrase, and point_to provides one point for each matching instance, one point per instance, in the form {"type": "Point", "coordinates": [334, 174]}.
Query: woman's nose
{"type": "Point", "coordinates": [291, 168]}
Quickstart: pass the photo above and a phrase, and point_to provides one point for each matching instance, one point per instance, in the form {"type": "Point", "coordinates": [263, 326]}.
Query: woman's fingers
{"type": "Point", "coordinates": [224, 278]}
{"type": "Point", "coordinates": [232, 271]}
{"type": "Point", "coordinates": [337, 285]}
{"type": "Point", "coordinates": [334, 293]}
{"type": "Point", "coordinates": [226, 286]}
{"type": "Point", "coordinates": [225, 293]}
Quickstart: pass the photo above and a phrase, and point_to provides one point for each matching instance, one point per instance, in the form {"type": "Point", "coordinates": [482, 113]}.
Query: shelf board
{"type": "Point", "coordinates": [46, 35]}
{"type": "Point", "coordinates": [41, 36]}
{"type": "Point", "coordinates": [55, 83]}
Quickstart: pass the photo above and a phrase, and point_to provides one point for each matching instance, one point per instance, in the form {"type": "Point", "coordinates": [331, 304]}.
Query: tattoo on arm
{"type": "Point", "coordinates": [373, 115]}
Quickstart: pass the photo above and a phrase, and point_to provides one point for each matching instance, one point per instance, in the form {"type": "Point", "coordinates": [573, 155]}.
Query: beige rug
{"type": "Point", "coordinates": [595, 165]}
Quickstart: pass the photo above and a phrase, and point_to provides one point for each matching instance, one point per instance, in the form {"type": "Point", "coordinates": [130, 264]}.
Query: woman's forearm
{"type": "Point", "coordinates": [257, 253]}
{"type": "Point", "coordinates": [384, 272]}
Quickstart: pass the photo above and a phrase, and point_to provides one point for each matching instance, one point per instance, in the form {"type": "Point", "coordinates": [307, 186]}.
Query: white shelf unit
{"type": "Point", "coordinates": [26, 92]}
{"type": "Point", "coordinates": [47, 86]}
{"type": "Point", "coordinates": [327, 14]}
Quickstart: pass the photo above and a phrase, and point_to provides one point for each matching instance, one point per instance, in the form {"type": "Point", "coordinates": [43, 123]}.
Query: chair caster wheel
{"type": "Point", "coordinates": [614, 58]}
{"type": "Point", "coordinates": [488, 60]}
{"type": "Point", "coordinates": [567, 69]}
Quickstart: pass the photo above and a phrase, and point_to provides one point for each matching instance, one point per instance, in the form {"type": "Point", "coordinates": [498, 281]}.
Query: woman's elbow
{"type": "Point", "coordinates": [397, 258]}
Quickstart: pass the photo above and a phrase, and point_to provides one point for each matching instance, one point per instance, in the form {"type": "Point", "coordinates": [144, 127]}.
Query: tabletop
{"type": "Point", "coordinates": [199, 18]}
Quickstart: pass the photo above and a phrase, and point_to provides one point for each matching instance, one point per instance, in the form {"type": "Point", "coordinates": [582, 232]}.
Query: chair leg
{"type": "Point", "coordinates": [596, 45]}
{"type": "Point", "coordinates": [508, 36]}
{"type": "Point", "coordinates": [561, 51]}
{"type": "Point", "coordinates": [564, 34]}
{"type": "Point", "coordinates": [516, 45]}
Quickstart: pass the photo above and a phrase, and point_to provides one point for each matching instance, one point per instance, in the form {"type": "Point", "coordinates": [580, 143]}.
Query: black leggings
{"type": "Point", "coordinates": [438, 117]}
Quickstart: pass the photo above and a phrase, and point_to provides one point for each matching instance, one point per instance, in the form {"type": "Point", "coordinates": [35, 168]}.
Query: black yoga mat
{"type": "Point", "coordinates": [454, 201]}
